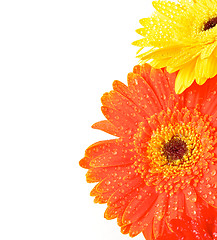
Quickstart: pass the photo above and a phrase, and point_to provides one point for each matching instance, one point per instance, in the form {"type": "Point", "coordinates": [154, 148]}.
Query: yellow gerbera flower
{"type": "Point", "coordinates": [183, 37]}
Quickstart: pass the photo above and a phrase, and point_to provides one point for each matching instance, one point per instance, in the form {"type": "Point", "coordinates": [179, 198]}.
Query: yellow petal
{"type": "Point", "coordinates": [144, 21]}
{"type": "Point", "coordinates": [215, 52]}
{"type": "Point", "coordinates": [199, 68]}
{"type": "Point", "coordinates": [139, 50]}
{"type": "Point", "coordinates": [144, 42]}
{"type": "Point", "coordinates": [208, 50]}
{"type": "Point", "coordinates": [187, 3]}
{"type": "Point", "coordinates": [159, 64]}
{"type": "Point", "coordinates": [205, 68]}
{"type": "Point", "coordinates": [179, 85]}
{"type": "Point", "coordinates": [211, 3]}
{"type": "Point", "coordinates": [173, 69]}
{"type": "Point", "coordinates": [185, 77]}
{"type": "Point", "coordinates": [142, 31]}
{"type": "Point", "coordinates": [162, 53]}
{"type": "Point", "coordinates": [169, 9]}
{"type": "Point", "coordinates": [139, 43]}
{"type": "Point", "coordinates": [185, 56]}
{"type": "Point", "coordinates": [201, 80]}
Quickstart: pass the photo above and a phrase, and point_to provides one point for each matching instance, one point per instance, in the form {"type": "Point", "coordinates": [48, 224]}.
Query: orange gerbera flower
{"type": "Point", "coordinates": [160, 172]}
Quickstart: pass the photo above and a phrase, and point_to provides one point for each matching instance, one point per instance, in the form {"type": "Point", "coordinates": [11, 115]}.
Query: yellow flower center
{"type": "Point", "coordinates": [210, 24]}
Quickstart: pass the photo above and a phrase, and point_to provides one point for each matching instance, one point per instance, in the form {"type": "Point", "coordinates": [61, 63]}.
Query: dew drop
{"type": "Point", "coordinates": [211, 202]}
{"type": "Point", "coordinates": [139, 197]}
{"type": "Point", "coordinates": [213, 173]}
{"type": "Point", "coordinates": [205, 196]}
{"type": "Point", "coordinates": [107, 182]}
{"type": "Point", "coordinates": [115, 152]}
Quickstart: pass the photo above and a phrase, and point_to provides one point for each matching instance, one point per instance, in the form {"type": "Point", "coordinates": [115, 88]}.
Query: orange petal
{"type": "Point", "coordinates": [190, 194]}
{"type": "Point", "coordinates": [175, 206]}
{"type": "Point", "coordinates": [105, 99]}
{"type": "Point", "coordinates": [102, 198]}
{"type": "Point", "coordinates": [111, 213]}
{"type": "Point", "coordinates": [85, 162]}
{"type": "Point", "coordinates": [125, 125]}
{"type": "Point", "coordinates": [126, 106]}
{"type": "Point", "coordinates": [109, 160]}
{"type": "Point", "coordinates": [139, 205]}
{"type": "Point", "coordinates": [143, 94]}
{"type": "Point", "coordinates": [107, 127]}
{"type": "Point", "coordinates": [126, 192]}
{"type": "Point", "coordinates": [101, 147]}
{"type": "Point", "coordinates": [207, 193]}
{"type": "Point", "coordinates": [161, 86]}
{"type": "Point", "coordinates": [114, 180]}
{"type": "Point", "coordinates": [158, 227]}
{"type": "Point", "coordinates": [98, 174]}
{"type": "Point", "coordinates": [122, 89]}
{"type": "Point", "coordinates": [125, 229]}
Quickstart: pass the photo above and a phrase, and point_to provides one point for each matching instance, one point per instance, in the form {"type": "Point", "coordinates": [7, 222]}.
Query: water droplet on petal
{"type": "Point", "coordinates": [211, 202]}
{"type": "Point", "coordinates": [139, 197]}
{"type": "Point", "coordinates": [204, 195]}
{"type": "Point", "coordinates": [213, 173]}
{"type": "Point", "coordinates": [107, 182]}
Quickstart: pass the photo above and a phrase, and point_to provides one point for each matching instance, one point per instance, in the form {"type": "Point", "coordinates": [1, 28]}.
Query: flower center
{"type": "Point", "coordinates": [174, 149]}
{"type": "Point", "coordinates": [210, 24]}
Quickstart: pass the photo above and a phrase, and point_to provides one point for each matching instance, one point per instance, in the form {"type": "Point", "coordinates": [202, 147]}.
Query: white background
{"type": "Point", "coordinates": [57, 58]}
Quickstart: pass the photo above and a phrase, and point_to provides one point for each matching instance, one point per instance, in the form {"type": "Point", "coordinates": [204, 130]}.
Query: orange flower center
{"type": "Point", "coordinates": [173, 148]}
{"type": "Point", "coordinates": [176, 150]}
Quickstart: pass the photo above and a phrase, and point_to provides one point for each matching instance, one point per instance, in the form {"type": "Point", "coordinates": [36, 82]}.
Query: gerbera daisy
{"type": "Point", "coordinates": [161, 167]}
{"type": "Point", "coordinates": [183, 37]}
